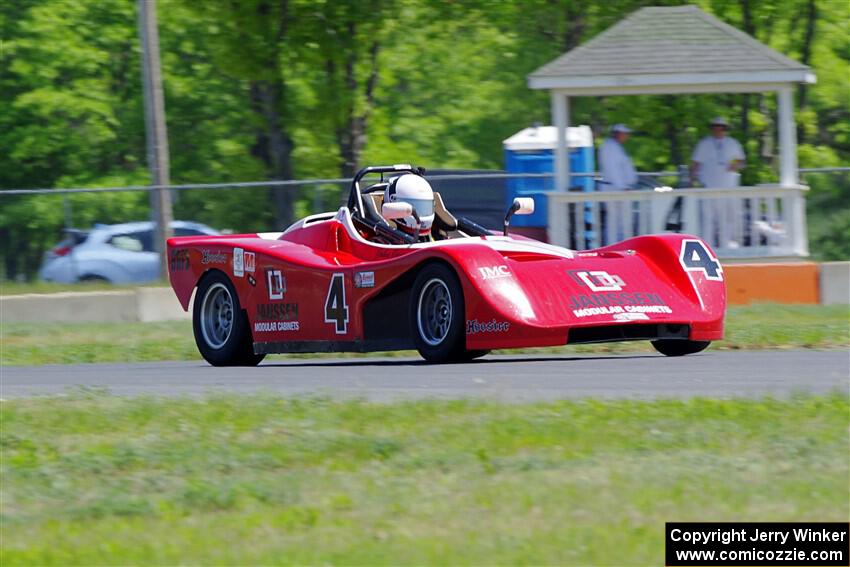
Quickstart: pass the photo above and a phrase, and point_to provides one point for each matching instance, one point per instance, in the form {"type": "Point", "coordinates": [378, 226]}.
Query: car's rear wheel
{"type": "Point", "coordinates": [673, 347]}
{"type": "Point", "coordinates": [437, 314]}
{"type": "Point", "coordinates": [222, 330]}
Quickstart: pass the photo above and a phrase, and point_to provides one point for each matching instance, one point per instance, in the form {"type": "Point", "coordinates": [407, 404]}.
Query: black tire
{"type": "Point", "coordinates": [440, 337]}
{"type": "Point", "coordinates": [468, 355]}
{"type": "Point", "coordinates": [674, 347]}
{"type": "Point", "coordinates": [222, 330]}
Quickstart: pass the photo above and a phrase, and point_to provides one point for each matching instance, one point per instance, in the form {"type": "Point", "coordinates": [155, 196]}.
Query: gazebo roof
{"type": "Point", "coordinates": [669, 50]}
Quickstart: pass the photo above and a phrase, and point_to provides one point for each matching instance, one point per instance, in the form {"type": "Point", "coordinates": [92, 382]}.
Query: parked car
{"type": "Point", "coordinates": [116, 253]}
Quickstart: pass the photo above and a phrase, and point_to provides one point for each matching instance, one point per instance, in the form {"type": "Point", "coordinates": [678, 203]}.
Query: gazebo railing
{"type": "Point", "coordinates": [766, 221]}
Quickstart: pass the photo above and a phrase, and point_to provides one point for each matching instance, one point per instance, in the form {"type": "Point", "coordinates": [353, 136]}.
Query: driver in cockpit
{"type": "Point", "coordinates": [415, 190]}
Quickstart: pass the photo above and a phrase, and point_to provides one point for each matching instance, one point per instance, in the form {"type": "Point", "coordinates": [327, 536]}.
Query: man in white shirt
{"type": "Point", "coordinates": [615, 165]}
{"type": "Point", "coordinates": [715, 163]}
{"type": "Point", "coordinates": [717, 158]}
{"type": "Point", "coordinates": [618, 174]}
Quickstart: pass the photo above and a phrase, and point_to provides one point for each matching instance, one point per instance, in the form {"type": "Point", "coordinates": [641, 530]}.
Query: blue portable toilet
{"type": "Point", "coordinates": [532, 150]}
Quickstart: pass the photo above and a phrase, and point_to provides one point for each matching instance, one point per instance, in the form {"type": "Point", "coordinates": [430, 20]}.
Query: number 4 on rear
{"type": "Point", "coordinates": [336, 309]}
{"type": "Point", "coordinates": [696, 257]}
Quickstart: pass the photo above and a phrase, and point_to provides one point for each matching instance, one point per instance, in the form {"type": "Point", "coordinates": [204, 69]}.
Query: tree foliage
{"type": "Point", "coordinates": [278, 89]}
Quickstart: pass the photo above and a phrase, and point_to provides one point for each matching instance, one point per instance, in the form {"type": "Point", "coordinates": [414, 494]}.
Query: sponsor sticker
{"type": "Point", "coordinates": [179, 260]}
{"type": "Point", "coordinates": [598, 280]}
{"type": "Point", "coordinates": [588, 305]}
{"type": "Point", "coordinates": [364, 279]}
{"type": "Point", "coordinates": [473, 326]}
{"type": "Point", "coordinates": [494, 272]}
{"type": "Point", "coordinates": [276, 317]}
{"type": "Point", "coordinates": [238, 262]}
{"type": "Point", "coordinates": [250, 262]}
{"type": "Point", "coordinates": [275, 284]}
{"type": "Point", "coordinates": [630, 316]}
{"type": "Point", "coordinates": [213, 257]}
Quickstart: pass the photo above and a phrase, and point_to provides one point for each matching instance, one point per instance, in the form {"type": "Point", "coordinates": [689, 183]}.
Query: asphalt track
{"type": "Point", "coordinates": [510, 378]}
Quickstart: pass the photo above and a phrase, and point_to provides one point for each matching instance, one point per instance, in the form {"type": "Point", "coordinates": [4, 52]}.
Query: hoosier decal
{"type": "Point", "coordinates": [473, 326]}
{"type": "Point", "coordinates": [213, 257]}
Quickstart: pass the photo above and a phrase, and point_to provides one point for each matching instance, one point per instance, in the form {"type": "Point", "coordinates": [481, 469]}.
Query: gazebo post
{"type": "Point", "coordinates": [787, 138]}
{"type": "Point", "coordinates": [561, 118]}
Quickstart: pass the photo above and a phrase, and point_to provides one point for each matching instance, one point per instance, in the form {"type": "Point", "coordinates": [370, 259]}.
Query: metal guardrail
{"type": "Point", "coordinates": [289, 183]}
{"type": "Point", "coordinates": [745, 222]}
{"type": "Point", "coordinates": [338, 181]}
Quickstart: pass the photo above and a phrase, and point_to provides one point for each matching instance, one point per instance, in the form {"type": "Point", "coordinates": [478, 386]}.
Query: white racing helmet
{"type": "Point", "coordinates": [412, 189]}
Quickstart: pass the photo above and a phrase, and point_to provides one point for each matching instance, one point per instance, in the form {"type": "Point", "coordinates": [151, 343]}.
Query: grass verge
{"type": "Point", "coordinates": [96, 479]}
{"type": "Point", "coordinates": [751, 327]}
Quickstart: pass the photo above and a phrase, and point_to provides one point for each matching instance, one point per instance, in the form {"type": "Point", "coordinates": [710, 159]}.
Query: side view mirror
{"type": "Point", "coordinates": [523, 206]}
{"type": "Point", "coordinates": [393, 211]}
{"type": "Point", "coordinates": [520, 206]}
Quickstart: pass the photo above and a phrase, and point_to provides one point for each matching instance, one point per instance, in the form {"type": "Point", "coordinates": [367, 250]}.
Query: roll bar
{"type": "Point", "coordinates": [355, 199]}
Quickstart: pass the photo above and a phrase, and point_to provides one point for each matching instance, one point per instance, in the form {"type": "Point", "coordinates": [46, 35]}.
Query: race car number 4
{"type": "Point", "coordinates": [336, 308]}
{"type": "Point", "coordinates": [696, 257]}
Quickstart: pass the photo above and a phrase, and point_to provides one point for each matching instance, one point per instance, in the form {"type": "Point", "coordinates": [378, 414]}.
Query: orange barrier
{"type": "Point", "coordinates": [778, 283]}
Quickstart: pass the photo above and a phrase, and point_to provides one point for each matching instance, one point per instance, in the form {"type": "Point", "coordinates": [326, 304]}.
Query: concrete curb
{"type": "Point", "coordinates": [834, 283]}
{"type": "Point", "coordinates": [144, 304]}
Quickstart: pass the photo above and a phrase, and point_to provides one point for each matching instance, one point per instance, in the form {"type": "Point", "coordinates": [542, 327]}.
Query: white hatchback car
{"type": "Point", "coordinates": [116, 253]}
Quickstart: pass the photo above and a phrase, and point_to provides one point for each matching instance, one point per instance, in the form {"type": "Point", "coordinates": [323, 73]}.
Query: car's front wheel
{"type": "Point", "coordinates": [222, 330]}
{"type": "Point", "coordinates": [673, 347]}
{"type": "Point", "coordinates": [437, 314]}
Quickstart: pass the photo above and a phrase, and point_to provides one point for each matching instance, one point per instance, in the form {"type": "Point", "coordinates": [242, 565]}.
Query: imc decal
{"type": "Point", "coordinates": [494, 272]}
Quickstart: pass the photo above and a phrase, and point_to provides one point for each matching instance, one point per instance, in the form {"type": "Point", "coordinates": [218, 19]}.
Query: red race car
{"type": "Point", "coordinates": [364, 278]}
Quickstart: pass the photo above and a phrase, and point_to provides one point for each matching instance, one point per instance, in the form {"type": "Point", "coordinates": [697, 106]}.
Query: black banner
{"type": "Point", "coordinates": [757, 543]}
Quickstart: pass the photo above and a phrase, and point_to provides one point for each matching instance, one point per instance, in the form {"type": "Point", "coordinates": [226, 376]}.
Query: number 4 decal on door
{"type": "Point", "coordinates": [696, 257]}
{"type": "Point", "coordinates": [336, 309]}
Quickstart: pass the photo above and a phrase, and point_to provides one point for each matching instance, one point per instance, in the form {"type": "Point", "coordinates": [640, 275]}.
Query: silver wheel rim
{"type": "Point", "coordinates": [217, 315]}
{"type": "Point", "coordinates": [434, 312]}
